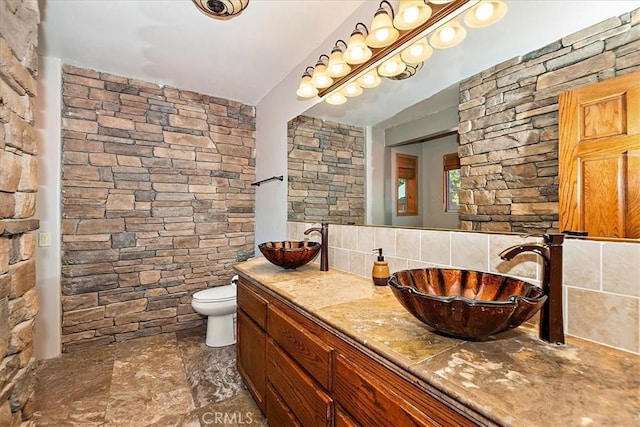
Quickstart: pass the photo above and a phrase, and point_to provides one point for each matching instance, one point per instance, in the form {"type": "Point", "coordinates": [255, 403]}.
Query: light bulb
{"type": "Point", "coordinates": [382, 34]}
{"type": "Point", "coordinates": [306, 88]}
{"type": "Point", "coordinates": [352, 89]}
{"type": "Point", "coordinates": [336, 99]}
{"type": "Point", "coordinates": [357, 53]}
{"type": "Point", "coordinates": [370, 79]}
{"type": "Point", "coordinates": [416, 49]}
{"type": "Point", "coordinates": [484, 11]}
{"type": "Point", "coordinates": [447, 34]}
{"type": "Point", "coordinates": [411, 14]}
{"type": "Point", "coordinates": [320, 79]}
{"type": "Point", "coordinates": [392, 67]}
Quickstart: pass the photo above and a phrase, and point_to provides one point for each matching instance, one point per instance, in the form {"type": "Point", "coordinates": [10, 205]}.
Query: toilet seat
{"type": "Point", "coordinates": [217, 294]}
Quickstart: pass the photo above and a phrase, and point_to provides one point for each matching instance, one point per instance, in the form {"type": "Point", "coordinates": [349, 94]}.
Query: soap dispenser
{"type": "Point", "coordinates": [380, 272]}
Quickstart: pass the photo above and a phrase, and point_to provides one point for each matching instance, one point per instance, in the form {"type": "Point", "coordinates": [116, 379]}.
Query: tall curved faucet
{"type": "Point", "coordinates": [551, 327]}
{"type": "Point", "coordinates": [324, 244]}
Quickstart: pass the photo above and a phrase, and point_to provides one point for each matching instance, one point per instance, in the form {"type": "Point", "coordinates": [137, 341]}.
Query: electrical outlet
{"type": "Point", "coordinates": [44, 239]}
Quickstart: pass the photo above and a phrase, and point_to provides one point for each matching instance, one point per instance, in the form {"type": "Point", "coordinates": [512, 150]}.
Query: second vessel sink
{"type": "Point", "coordinates": [466, 304]}
{"type": "Point", "coordinates": [289, 254]}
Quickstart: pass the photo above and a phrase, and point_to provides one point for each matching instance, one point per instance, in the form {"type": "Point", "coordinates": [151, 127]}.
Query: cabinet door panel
{"type": "Point", "coordinates": [251, 352]}
{"type": "Point", "coordinates": [278, 413]}
{"type": "Point", "coordinates": [311, 353]}
{"type": "Point", "coordinates": [343, 419]}
{"type": "Point", "coordinates": [306, 400]}
{"type": "Point", "coordinates": [252, 304]}
{"type": "Point", "coordinates": [368, 401]}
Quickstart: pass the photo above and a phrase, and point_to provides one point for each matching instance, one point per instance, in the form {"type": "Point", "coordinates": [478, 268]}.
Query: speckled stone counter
{"type": "Point", "coordinates": [513, 379]}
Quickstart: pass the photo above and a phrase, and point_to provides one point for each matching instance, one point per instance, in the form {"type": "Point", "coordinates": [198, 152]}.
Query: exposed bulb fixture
{"type": "Point", "coordinates": [337, 66]}
{"type": "Point", "coordinates": [386, 52]}
{"type": "Point", "coordinates": [357, 51]}
{"type": "Point", "coordinates": [411, 13]}
{"type": "Point", "coordinates": [410, 71]}
{"type": "Point", "coordinates": [417, 52]}
{"type": "Point", "coordinates": [306, 89]}
{"type": "Point", "coordinates": [382, 33]}
{"type": "Point", "coordinates": [449, 35]}
{"type": "Point", "coordinates": [485, 13]}
{"type": "Point", "coordinates": [370, 80]}
{"type": "Point", "coordinates": [221, 9]}
{"type": "Point", "coordinates": [352, 89]}
{"type": "Point", "coordinates": [320, 79]}
{"type": "Point", "coordinates": [336, 98]}
{"type": "Point", "coordinates": [392, 67]}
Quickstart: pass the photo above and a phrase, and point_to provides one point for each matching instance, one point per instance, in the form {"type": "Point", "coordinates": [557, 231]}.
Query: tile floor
{"type": "Point", "coordinates": [164, 380]}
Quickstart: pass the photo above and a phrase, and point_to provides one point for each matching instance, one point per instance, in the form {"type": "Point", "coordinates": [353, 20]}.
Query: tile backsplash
{"type": "Point", "coordinates": [601, 279]}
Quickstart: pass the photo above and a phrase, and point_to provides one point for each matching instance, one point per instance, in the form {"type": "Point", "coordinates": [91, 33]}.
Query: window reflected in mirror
{"type": "Point", "coordinates": [407, 184]}
{"type": "Point", "coordinates": [451, 167]}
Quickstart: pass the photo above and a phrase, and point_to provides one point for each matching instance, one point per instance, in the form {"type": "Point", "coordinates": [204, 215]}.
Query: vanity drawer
{"type": "Point", "coordinates": [310, 353]}
{"type": "Point", "coordinates": [278, 413]}
{"type": "Point", "coordinates": [370, 402]}
{"type": "Point", "coordinates": [310, 405]}
{"type": "Point", "coordinates": [343, 419]}
{"type": "Point", "coordinates": [252, 303]}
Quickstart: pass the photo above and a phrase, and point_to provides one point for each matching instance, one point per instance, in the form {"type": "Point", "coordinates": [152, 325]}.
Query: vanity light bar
{"type": "Point", "coordinates": [442, 13]}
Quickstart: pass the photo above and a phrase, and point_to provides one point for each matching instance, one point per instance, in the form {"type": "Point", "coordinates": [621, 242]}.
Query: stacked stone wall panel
{"type": "Point", "coordinates": [19, 302]}
{"type": "Point", "coordinates": [326, 171]}
{"type": "Point", "coordinates": [157, 204]}
{"type": "Point", "coordinates": [509, 124]}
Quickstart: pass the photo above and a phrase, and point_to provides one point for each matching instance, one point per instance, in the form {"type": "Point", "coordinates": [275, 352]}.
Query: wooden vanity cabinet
{"type": "Point", "coordinates": [252, 342]}
{"type": "Point", "coordinates": [317, 377]}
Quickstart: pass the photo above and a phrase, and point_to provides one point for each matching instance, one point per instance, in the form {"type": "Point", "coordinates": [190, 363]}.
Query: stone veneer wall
{"type": "Point", "coordinates": [157, 204]}
{"type": "Point", "coordinates": [509, 124]}
{"type": "Point", "coordinates": [18, 185]}
{"type": "Point", "coordinates": [326, 171]}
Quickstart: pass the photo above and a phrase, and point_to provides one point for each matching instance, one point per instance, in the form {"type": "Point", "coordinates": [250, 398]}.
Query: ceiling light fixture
{"type": "Point", "coordinates": [485, 13]}
{"type": "Point", "coordinates": [221, 9]}
{"type": "Point", "coordinates": [382, 33]}
{"type": "Point", "coordinates": [411, 13]}
{"type": "Point", "coordinates": [417, 28]}
{"type": "Point", "coordinates": [337, 66]}
{"type": "Point", "coordinates": [449, 35]}
{"type": "Point", "coordinates": [320, 78]}
{"type": "Point", "coordinates": [357, 51]}
{"type": "Point", "coordinates": [306, 89]}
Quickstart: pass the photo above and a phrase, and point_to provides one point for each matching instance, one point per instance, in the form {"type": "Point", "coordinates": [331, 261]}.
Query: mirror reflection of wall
{"type": "Point", "coordinates": [325, 171]}
{"type": "Point", "coordinates": [506, 113]}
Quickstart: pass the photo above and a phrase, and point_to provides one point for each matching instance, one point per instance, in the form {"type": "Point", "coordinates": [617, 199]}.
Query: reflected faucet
{"type": "Point", "coordinates": [324, 244]}
{"type": "Point", "coordinates": [551, 327]}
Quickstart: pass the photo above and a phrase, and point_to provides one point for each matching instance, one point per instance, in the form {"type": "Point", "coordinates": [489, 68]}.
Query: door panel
{"type": "Point", "coordinates": [598, 144]}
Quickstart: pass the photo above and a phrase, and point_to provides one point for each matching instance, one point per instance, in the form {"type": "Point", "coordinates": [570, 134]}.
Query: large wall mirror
{"type": "Point", "coordinates": [500, 88]}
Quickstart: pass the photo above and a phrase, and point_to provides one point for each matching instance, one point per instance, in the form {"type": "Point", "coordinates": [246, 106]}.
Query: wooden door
{"type": "Point", "coordinates": [599, 158]}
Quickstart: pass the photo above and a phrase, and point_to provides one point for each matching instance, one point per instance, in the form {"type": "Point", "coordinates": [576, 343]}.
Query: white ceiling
{"type": "Point", "coordinates": [170, 42]}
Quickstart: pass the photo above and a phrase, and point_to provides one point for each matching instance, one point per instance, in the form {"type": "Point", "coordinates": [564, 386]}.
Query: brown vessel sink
{"type": "Point", "coordinates": [466, 304]}
{"type": "Point", "coordinates": [289, 254]}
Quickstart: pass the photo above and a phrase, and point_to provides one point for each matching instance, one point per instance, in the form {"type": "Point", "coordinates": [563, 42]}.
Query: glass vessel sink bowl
{"type": "Point", "coordinates": [289, 254]}
{"type": "Point", "coordinates": [466, 304]}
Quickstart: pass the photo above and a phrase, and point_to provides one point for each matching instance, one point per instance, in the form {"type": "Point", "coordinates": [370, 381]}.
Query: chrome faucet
{"type": "Point", "coordinates": [551, 327]}
{"type": "Point", "coordinates": [324, 244]}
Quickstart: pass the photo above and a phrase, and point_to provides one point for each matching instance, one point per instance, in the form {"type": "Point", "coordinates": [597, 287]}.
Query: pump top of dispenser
{"type": "Point", "coordinates": [380, 257]}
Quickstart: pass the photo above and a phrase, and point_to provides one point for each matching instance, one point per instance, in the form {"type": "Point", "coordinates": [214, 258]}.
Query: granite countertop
{"type": "Point", "coordinates": [513, 379]}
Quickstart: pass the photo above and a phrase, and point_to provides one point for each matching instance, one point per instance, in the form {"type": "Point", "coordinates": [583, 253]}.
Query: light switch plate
{"type": "Point", "coordinates": [44, 239]}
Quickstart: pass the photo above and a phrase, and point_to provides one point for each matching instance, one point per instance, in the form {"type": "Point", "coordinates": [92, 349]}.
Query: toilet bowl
{"type": "Point", "coordinates": [219, 305]}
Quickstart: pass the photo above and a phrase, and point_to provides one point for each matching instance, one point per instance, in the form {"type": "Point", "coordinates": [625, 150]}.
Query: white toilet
{"type": "Point", "coordinates": [219, 304]}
